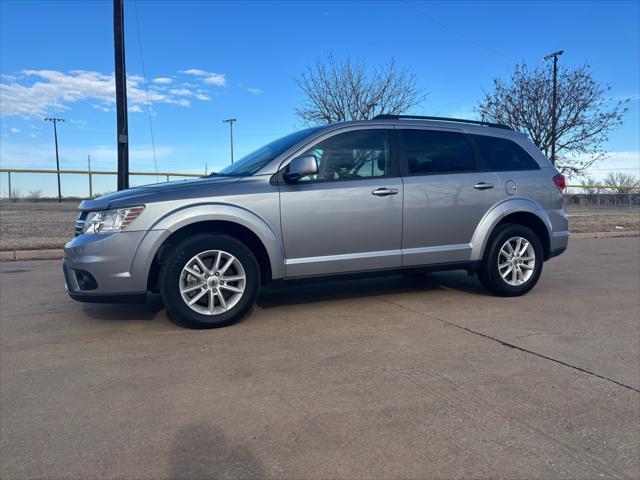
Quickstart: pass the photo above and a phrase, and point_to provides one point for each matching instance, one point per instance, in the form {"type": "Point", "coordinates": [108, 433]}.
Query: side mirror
{"type": "Point", "coordinates": [301, 167]}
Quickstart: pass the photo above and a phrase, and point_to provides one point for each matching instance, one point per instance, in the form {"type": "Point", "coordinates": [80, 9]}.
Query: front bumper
{"type": "Point", "coordinates": [110, 267]}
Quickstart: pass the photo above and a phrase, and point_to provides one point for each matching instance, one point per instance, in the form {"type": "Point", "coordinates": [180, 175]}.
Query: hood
{"type": "Point", "coordinates": [153, 192]}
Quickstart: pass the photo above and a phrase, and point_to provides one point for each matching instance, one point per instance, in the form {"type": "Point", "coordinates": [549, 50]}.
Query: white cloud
{"type": "Point", "coordinates": [194, 71]}
{"type": "Point", "coordinates": [181, 91]}
{"type": "Point", "coordinates": [217, 79]}
{"type": "Point", "coordinates": [185, 92]}
{"type": "Point", "coordinates": [55, 91]}
{"type": "Point", "coordinates": [211, 78]}
{"type": "Point", "coordinates": [255, 91]}
{"type": "Point", "coordinates": [134, 109]}
{"type": "Point", "coordinates": [162, 81]}
{"type": "Point", "coordinates": [614, 161]}
{"type": "Point", "coordinates": [103, 108]}
{"type": "Point", "coordinates": [14, 130]}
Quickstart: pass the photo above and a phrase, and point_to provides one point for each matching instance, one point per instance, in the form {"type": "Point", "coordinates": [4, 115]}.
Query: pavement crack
{"type": "Point", "coordinates": [510, 345]}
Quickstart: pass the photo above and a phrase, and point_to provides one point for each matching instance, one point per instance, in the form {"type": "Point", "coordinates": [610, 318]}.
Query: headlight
{"type": "Point", "coordinates": [108, 221]}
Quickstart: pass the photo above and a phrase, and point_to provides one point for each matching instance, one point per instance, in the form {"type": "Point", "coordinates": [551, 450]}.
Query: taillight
{"type": "Point", "coordinates": [560, 182]}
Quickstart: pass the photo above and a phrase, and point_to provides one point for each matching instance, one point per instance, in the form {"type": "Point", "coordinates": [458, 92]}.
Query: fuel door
{"type": "Point", "coordinates": [511, 187]}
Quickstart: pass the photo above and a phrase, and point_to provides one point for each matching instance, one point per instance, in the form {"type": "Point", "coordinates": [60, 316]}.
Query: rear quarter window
{"type": "Point", "coordinates": [502, 155]}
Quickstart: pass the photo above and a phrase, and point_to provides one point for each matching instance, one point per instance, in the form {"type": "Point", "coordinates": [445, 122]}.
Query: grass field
{"type": "Point", "coordinates": [33, 225]}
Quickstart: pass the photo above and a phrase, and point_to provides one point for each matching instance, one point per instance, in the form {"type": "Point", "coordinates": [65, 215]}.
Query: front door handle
{"type": "Point", "coordinates": [383, 192]}
{"type": "Point", "coordinates": [483, 186]}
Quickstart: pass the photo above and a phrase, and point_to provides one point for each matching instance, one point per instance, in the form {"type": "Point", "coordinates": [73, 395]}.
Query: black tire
{"type": "Point", "coordinates": [489, 273]}
{"type": "Point", "coordinates": [170, 276]}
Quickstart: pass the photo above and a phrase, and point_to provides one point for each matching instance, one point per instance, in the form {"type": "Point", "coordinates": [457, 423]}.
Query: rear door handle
{"type": "Point", "coordinates": [483, 186]}
{"type": "Point", "coordinates": [383, 192]}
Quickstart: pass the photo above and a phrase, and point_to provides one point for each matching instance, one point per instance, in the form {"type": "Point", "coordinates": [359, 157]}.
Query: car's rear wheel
{"type": "Point", "coordinates": [513, 261]}
{"type": "Point", "coordinates": [209, 280]}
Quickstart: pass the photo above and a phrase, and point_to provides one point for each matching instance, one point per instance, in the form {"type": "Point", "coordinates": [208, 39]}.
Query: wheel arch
{"type": "Point", "coordinates": [517, 211]}
{"type": "Point", "coordinates": [246, 226]}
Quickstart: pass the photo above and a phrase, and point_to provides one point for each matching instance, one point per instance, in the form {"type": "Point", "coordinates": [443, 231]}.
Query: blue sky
{"type": "Point", "coordinates": [205, 61]}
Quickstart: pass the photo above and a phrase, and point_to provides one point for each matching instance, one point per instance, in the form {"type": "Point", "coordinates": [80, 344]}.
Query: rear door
{"type": "Point", "coordinates": [447, 192]}
{"type": "Point", "coordinates": [348, 217]}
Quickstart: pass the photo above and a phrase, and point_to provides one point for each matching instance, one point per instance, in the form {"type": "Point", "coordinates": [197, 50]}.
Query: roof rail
{"type": "Point", "coordinates": [443, 119]}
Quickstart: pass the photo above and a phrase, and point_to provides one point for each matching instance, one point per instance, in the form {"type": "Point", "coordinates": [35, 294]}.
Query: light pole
{"type": "Point", "coordinates": [230, 122]}
{"type": "Point", "coordinates": [554, 103]}
{"type": "Point", "coordinates": [55, 136]}
{"type": "Point", "coordinates": [121, 95]}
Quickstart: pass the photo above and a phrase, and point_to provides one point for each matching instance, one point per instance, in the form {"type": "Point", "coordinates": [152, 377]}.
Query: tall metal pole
{"type": "Point", "coordinates": [90, 179]}
{"type": "Point", "coordinates": [121, 95]}
{"type": "Point", "coordinates": [55, 136]}
{"type": "Point", "coordinates": [230, 122]}
{"type": "Point", "coordinates": [554, 103]}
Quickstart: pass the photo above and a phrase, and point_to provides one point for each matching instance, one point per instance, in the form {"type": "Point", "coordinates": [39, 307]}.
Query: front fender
{"type": "Point", "coordinates": [178, 218]}
{"type": "Point", "coordinates": [496, 214]}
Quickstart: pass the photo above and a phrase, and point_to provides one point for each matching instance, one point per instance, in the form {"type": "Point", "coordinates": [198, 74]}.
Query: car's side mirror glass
{"type": "Point", "coordinates": [301, 167]}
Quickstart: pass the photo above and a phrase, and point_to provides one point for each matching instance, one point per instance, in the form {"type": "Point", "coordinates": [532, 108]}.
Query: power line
{"type": "Point", "coordinates": [468, 38]}
{"type": "Point", "coordinates": [146, 90]}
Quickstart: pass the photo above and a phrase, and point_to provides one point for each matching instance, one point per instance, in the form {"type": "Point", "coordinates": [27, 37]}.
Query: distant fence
{"type": "Point", "coordinates": [598, 196]}
{"type": "Point", "coordinates": [90, 174]}
{"type": "Point", "coordinates": [602, 196]}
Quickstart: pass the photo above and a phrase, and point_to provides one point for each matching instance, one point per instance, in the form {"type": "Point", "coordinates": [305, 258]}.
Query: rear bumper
{"type": "Point", "coordinates": [558, 243]}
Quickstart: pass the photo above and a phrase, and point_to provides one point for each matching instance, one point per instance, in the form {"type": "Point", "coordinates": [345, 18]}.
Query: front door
{"type": "Point", "coordinates": [347, 217]}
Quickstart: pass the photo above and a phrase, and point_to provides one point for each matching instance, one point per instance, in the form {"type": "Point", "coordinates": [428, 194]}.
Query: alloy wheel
{"type": "Point", "coordinates": [516, 261]}
{"type": "Point", "coordinates": [212, 282]}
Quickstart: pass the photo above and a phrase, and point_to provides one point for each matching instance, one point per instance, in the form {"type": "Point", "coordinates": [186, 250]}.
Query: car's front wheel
{"type": "Point", "coordinates": [513, 261]}
{"type": "Point", "coordinates": [209, 280]}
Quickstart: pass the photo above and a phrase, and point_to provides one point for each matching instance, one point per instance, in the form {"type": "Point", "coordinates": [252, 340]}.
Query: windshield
{"type": "Point", "coordinates": [253, 162]}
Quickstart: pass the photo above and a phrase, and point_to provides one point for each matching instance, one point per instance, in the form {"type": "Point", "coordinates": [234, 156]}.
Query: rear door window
{"type": "Point", "coordinates": [431, 151]}
{"type": "Point", "coordinates": [503, 155]}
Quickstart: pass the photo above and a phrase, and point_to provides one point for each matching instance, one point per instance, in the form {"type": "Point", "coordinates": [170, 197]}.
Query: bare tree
{"type": "Point", "coordinates": [34, 195]}
{"type": "Point", "coordinates": [339, 90]}
{"type": "Point", "coordinates": [624, 183]}
{"type": "Point", "coordinates": [591, 188]}
{"type": "Point", "coordinates": [585, 115]}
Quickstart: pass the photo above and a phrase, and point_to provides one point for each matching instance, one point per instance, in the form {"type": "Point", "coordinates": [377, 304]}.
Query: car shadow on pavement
{"type": "Point", "coordinates": [123, 311]}
{"type": "Point", "coordinates": [307, 292]}
{"type": "Point", "coordinates": [202, 451]}
{"type": "Point", "coordinates": [324, 290]}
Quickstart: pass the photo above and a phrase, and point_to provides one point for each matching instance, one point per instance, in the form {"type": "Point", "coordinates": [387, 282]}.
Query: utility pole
{"type": "Point", "coordinates": [90, 180]}
{"type": "Point", "coordinates": [554, 104]}
{"type": "Point", "coordinates": [121, 95]}
{"type": "Point", "coordinates": [55, 136]}
{"type": "Point", "coordinates": [230, 122]}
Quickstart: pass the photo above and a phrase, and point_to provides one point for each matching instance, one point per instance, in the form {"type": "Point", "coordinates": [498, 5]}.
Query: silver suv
{"type": "Point", "coordinates": [393, 194]}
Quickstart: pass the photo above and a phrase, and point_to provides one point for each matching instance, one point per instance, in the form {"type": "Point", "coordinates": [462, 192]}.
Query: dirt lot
{"type": "Point", "coordinates": [397, 377]}
{"type": "Point", "coordinates": [34, 225]}
{"type": "Point", "coordinates": [603, 220]}
{"type": "Point", "coordinates": [29, 225]}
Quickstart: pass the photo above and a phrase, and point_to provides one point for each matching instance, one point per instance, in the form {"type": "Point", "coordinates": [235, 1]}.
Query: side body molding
{"type": "Point", "coordinates": [498, 212]}
{"type": "Point", "coordinates": [181, 217]}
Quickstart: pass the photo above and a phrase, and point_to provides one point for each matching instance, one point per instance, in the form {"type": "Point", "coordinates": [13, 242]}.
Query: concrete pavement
{"type": "Point", "coordinates": [397, 377]}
